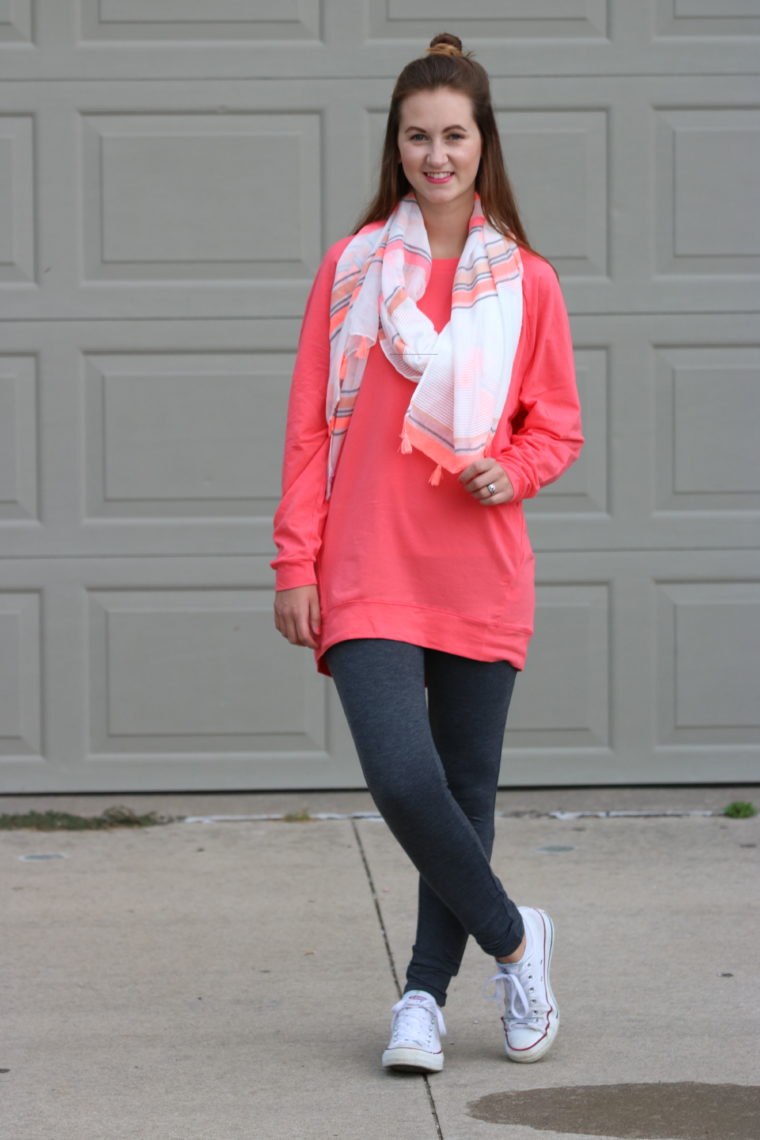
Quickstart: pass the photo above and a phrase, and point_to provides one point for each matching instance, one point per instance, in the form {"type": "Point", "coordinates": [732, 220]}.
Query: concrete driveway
{"type": "Point", "coordinates": [228, 980]}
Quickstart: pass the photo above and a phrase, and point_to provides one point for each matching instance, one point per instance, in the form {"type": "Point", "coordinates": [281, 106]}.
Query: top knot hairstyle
{"type": "Point", "coordinates": [448, 65]}
{"type": "Point", "coordinates": [446, 44]}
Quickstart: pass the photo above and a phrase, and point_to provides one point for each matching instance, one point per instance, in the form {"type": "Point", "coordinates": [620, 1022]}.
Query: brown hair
{"type": "Point", "coordinates": [446, 65]}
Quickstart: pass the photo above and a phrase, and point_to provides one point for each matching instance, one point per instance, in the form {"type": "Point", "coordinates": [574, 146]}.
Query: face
{"type": "Point", "coordinates": [439, 148]}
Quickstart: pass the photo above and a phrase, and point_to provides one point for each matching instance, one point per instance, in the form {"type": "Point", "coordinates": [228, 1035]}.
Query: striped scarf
{"type": "Point", "coordinates": [461, 374]}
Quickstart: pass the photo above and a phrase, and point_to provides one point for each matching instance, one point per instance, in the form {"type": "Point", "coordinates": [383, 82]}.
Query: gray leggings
{"type": "Point", "coordinates": [432, 769]}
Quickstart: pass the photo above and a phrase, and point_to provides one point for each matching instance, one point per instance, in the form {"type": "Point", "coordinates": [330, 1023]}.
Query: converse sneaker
{"type": "Point", "coordinates": [531, 1017]}
{"type": "Point", "coordinates": [416, 1029]}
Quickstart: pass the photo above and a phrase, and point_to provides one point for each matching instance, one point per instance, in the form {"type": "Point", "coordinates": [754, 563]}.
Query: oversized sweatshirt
{"type": "Point", "coordinates": [392, 555]}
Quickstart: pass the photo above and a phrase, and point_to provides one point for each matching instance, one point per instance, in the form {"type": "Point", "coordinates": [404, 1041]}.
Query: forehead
{"type": "Point", "coordinates": [439, 108]}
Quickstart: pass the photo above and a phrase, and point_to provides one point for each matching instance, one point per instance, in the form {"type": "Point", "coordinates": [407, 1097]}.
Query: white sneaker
{"type": "Point", "coordinates": [416, 1030]}
{"type": "Point", "coordinates": [531, 1017]}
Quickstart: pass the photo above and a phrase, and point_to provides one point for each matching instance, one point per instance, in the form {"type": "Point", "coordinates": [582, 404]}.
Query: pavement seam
{"type": "Point", "coordinates": [642, 813]}
{"type": "Point", "coordinates": [389, 953]}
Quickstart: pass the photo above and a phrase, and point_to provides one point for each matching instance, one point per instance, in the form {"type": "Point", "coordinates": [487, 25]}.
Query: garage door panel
{"type": "Point", "coordinates": [585, 489]}
{"type": "Point", "coordinates": [712, 19]}
{"type": "Point", "coordinates": [707, 632]}
{"type": "Point", "coordinates": [19, 444]}
{"type": "Point", "coordinates": [705, 219]}
{"type": "Point", "coordinates": [560, 168]}
{"type": "Point", "coordinates": [157, 437]}
{"type": "Point", "coordinates": [179, 671]}
{"type": "Point", "coordinates": [526, 19]}
{"type": "Point", "coordinates": [177, 435]}
{"type": "Point", "coordinates": [150, 177]}
{"type": "Point", "coordinates": [158, 673]}
{"type": "Point", "coordinates": [565, 702]}
{"type": "Point", "coordinates": [708, 428]}
{"type": "Point", "coordinates": [671, 411]}
{"type": "Point", "coordinates": [21, 717]}
{"type": "Point", "coordinates": [18, 242]}
{"type": "Point", "coordinates": [188, 20]}
{"type": "Point", "coordinates": [683, 701]}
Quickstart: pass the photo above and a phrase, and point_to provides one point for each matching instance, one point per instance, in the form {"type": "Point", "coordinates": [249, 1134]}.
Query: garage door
{"type": "Point", "coordinates": [170, 174]}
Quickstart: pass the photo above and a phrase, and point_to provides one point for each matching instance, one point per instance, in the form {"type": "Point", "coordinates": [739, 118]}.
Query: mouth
{"type": "Point", "coordinates": [438, 179]}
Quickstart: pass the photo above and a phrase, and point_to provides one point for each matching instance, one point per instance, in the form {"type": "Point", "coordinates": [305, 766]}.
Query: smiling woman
{"type": "Point", "coordinates": [439, 150]}
{"type": "Point", "coordinates": [433, 391]}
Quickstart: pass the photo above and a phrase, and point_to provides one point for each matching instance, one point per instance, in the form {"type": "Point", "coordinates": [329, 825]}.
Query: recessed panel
{"type": "Point", "coordinates": [708, 662]}
{"type": "Point", "coordinates": [527, 19]}
{"type": "Point", "coordinates": [562, 697]}
{"type": "Point", "coordinates": [180, 670]}
{"type": "Point", "coordinates": [585, 486]}
{"type": "Point", "coordinates": [178, 434]}
{"type": "Point", "coordinates": [17, 198]}
{"type": "Point", "coordinates": [707, 428]}
{"type": "Point", "coordinates": [20, 675]}
{"type": "Point", "coordinates": [15, 21]}
{"type": "Point", "coordinates": [707, 174]}
{"type": "Point", "coordinates": [201, 197]}
{"type": "Point", "coordinates": [198, 20]}
{"type": "Point", "coordinates": [712, 19]}
{"type": "Point", "coordinates": [18, 438]}
{"type": "Point", "coordinates": [557, 161]}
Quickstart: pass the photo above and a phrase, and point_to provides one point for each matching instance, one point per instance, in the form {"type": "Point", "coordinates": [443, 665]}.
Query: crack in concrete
{"type": "Point", "coordinates": [391, 963]}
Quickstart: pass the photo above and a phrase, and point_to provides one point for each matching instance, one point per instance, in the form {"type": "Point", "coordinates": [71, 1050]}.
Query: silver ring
{"type": "Point", "coordinates": [491, 488]}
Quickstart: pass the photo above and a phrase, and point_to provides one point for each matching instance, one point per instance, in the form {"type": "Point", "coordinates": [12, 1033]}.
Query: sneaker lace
{"type": "Point", "coordinates": [521, 1003]}
{"type": "Point", "coordinates": [411, 1021]}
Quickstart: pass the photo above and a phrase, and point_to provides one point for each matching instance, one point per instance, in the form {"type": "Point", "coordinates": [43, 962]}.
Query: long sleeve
{"type": "Point", "coordinates": [300, 517]}
{"type": "Point", "coordinates": [546, 430]}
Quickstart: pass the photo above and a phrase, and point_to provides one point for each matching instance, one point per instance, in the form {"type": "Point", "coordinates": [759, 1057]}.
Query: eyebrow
{"type": "Point", "coordinates": [453, 127]}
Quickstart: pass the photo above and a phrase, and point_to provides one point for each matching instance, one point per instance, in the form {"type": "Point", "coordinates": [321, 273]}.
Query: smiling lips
{"type": "Point", "coordinates": [443, 177]}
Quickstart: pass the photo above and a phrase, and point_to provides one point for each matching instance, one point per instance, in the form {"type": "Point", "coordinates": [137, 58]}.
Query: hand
{"type": "Point", "coordinates": [484, 473]}
{"type": "Point", "coordinates": [297, 615]}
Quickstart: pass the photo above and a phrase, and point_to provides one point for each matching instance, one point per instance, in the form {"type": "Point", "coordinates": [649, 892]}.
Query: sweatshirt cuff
{"type": "Point", "coordinates": [293, 574]}
{"type": "Point", "coordinates": [520, 484]}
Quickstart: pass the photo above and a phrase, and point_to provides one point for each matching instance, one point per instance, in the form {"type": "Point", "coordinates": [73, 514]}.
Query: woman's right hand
{"type": "Point", "coordinates": [297, 615]}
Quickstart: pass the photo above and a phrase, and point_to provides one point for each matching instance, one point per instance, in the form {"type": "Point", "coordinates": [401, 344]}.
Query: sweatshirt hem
{"type": "Point", "coordinates": [442, 630]}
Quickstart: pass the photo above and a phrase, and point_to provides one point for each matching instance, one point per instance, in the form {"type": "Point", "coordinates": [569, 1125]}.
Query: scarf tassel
{"type": "Point", "coordinates": [435, 478]}
{"type": "Point", "coordinates": [406, 447]}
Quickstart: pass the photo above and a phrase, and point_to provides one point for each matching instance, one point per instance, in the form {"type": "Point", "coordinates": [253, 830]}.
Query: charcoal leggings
{"type": "Point", "coordinates": [432, 769]}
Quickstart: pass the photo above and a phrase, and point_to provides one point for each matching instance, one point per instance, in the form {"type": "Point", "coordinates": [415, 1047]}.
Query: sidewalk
{"type": "Point", "coordinates": [233, 980]}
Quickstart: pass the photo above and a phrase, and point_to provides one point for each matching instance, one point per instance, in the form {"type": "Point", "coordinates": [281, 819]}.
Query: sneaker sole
{"type": "Point", "coordinates": [409, 1060]}
{"type": "Point", "coordinates": [537, 1051]}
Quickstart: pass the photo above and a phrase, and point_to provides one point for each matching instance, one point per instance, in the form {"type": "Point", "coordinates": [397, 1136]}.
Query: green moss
{"type": "Point", "coordinates": [118, 816]}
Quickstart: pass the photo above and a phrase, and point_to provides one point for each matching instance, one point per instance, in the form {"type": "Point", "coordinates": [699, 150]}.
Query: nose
{"type": "Point", "coordinates": [437, 153]}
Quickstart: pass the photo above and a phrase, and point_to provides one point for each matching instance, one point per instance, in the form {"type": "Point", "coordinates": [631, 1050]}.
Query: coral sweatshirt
{"type": "Point", "coordinates": [392, 556]}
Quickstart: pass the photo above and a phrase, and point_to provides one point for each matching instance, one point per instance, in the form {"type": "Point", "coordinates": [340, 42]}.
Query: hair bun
{"type": "Point", "coordinates": [445, 44]}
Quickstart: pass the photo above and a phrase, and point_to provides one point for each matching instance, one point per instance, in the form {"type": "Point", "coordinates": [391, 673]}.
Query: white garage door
{"type": "Point", "coordinates": [170, 173]}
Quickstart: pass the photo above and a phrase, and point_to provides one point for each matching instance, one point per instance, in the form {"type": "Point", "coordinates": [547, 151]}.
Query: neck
{"type": "Point", "coordinates": [447, 227]}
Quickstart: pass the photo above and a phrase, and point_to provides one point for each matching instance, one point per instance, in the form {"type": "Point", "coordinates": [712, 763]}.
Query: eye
{"type": "Point", "coordinates": [456, 136]}
{"type": "Point", "coordinates": [417, 137]}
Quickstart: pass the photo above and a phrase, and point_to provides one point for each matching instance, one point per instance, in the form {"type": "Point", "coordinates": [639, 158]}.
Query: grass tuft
{"type": "Point", "coordinates": [740, 809]}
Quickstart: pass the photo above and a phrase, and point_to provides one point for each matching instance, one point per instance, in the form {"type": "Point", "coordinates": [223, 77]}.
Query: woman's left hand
{"type": "Point", "coordinates": [487, 481]}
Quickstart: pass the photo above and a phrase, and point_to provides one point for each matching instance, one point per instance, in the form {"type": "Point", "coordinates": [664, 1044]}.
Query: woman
{"type": "Point", "coordinates": [433, 391]}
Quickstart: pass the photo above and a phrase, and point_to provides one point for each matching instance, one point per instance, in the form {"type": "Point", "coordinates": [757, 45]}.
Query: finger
{"type": "Point", "coordinates": [303, 630]}
{"type": "Point", "coordinates": [477, 467]}
{"type": "Point", "coordinates": [286, 622]}
{"type": "Point", "coordinates": [315, 615]}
